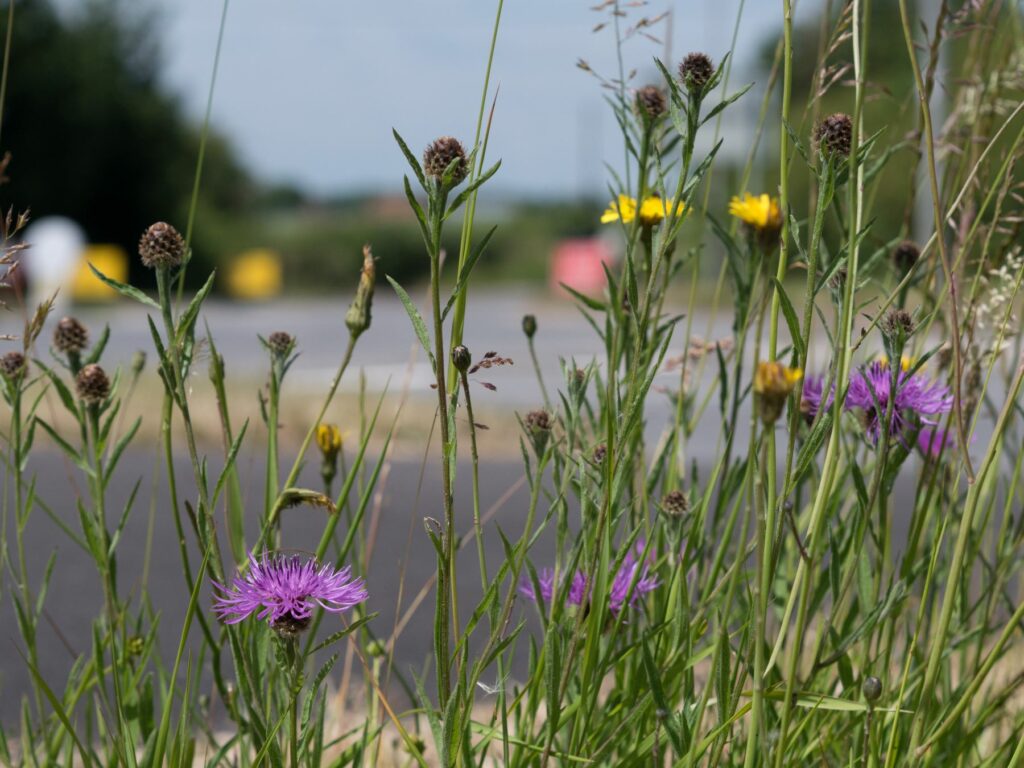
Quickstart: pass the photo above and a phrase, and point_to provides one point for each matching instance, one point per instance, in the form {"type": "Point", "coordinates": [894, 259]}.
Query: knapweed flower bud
{"type": "Point", "coordinates": [358, 316]}
{"type": "Point", "coordinates": [834, 136]}
{"type": "Point", "coordinates": [92, 384]}
{"type": "Point", "coordinates": [443, 153]}
{"type": "Point", "coordinates": [135, 646]}
{"type": "Point", "coordinates": [695, 71]}
{"type": "Point", "coordinates": [675, 504]}
{"type": "Point", "coordinates": [138, 362]}
{"type": "Point", "coordinates": [461, 358]}
{"type": "Point", "coordinates": [12, 365]}
{"type": "Point", "coordinates": [872, 689]}
{"type": "Point", "coordinates": [905, 256]}
{"type": "Point", "coordinates": [538, 427]}
{"type": "Point", "coordinates": [650, 102]}
{"type": "Point", "coordinates": [70, 336]}
{"type": "Point", "coordinates": [529, 326]}
{"type": "Point", "coordinates": [280, 344]}
{"type": "Point", "coordinates": [600, 453]}
{"type": "Point", "coordinates": [897, 326]}
{"type": "Point", "coordinates": [161, 246]}
{"type": "Point", "coordinates": [773, 383]}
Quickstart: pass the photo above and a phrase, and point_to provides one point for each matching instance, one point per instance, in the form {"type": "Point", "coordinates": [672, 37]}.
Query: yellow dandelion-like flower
{"type": "Point", "coordinates": [773, 383]}
{"type": "Point", "coordinates": [760, 212]}
{"type": "Point", "coordinates": [328, 439]}
{"type": "Point", "coordinates": [652, 210]}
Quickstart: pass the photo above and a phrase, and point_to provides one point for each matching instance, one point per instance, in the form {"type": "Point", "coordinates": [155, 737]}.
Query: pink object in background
{"type": "Point", "coordinates": [577, 264]}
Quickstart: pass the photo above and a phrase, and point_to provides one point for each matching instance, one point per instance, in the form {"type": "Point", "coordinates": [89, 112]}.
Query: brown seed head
{"type": "Point", "coordinates": [70, 336]}
{"type": "Point", "coordinates": [280, 343]}
{"type": "Point", "coordinates": [161, 246]}
{"type": "Point", "coordinates": [441, 154]}
{"type": "Point", "coordinates": [92, 384]}
{"type": "Point", "coordinates": [695, 71]}
{"type": "Point", "coordinates": [675, 504]}
{"type": "Point", "coordinates": [12, 365]}
{"type": "Point", "coordinates": [905, 256]}
{"type": "Point", "coordinates": [650, 102]}
{"type": "Point", "coordinates": [897, 323]}
{"type": "Point", "coordinates": [461, 358]}
{"type": "Point", "coordinates": [834, 135]}
{"type": "Point", "coordinates": [600, 453]}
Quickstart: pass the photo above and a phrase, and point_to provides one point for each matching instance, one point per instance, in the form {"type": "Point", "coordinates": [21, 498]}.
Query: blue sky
{"type": "Point", "coordinates": [309, 90]}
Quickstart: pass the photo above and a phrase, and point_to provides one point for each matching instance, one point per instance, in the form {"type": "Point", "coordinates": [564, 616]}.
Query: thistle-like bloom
{"type": "Point", "coordinates": [652, 210]}
{"type": "Point", "coordinates": [760, 212]}
{"type": "Point", "coordinates": [773, 383]}
{"type": "Point", "coordinates": [285, 591]}
{"type": "Point", "coordinates": [915, 398]}
{"type": "Point", "coordinates": [579, 590]}
{"type": "Point", "coordinates": [812, 396]}
{"type": "Point", "coordinates": [933, 441]}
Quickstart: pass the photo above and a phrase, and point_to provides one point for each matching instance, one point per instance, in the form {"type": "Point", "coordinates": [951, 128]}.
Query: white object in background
{"type": "Point", "coordinates": [55, 248]}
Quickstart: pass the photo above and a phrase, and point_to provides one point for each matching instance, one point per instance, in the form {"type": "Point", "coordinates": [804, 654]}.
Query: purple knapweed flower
{"type": "Point", "coordinates": [812, 395]}
{"type": "Point", "coordinates": [624, 579]}
{"type": "Point", "coordinates": [546, 582]}
{"type": "Point", "coordinates": [932, 441]}
{"type": "Point", "coordinates": [915, 397]}
{"type": "Point", "coordinates": [285, 590]}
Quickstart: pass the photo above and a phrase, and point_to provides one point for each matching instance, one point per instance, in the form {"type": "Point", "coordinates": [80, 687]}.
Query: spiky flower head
{"type": "Point", "coordinates": [897, 327]}
{"type": "Point", "coordinates": [630, 582]}
{"type": "Point", "coordinates": [652, 210]}
{"type": "Point", "coordinates": [280, 344]}
{"type": "Point", "coordinates": [443, 153]}
{"type": "Point", "coordinates": [70, 336]}
{"type": "Point", "coordinates": [12, 365]}
{"type": "Point", "coordinates": [529, 325]}
{"type": "Point", "coordinates": [905, 256]}
{"type": "Point", "coordinates": [285, 590]}
{"type": "Point", "coordinates": [650, 102]}
{"type": "Point", "coordinates": [538, 428]}
{"type": "Point", "coordinates": [696, 71]}
{"type": "Point", "coordinates": [675, 504]}
{"type": "Point", "coordinates": [462, 358]}
{"type": "Point", "coordinates": [812, 397]}
{"type": "Point", "coordinates": [773, 383]}
{"type": "Point", "coordinates": [915, 399]}
{"type": "Point", "coordinates": [92, 384]}
{"type": "Point", "coordinates": [161, 246]}
{"type": "Point", "coordinates": [834, 135]}
{"type": "Point", "coordinates": [932, 442]}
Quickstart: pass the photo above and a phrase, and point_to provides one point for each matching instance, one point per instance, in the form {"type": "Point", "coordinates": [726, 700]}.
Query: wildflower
{"type": "Point", "coordinates": [650, 102]}
{"type": "Point", "coordinates": [915, 397]}
{"type": "Point", "coordinates": [444, 154]}
{"type": "Point", "coordinates": [538, 427]}
{"type": "Point", "coordinates": [897, 326]}
{"type": "Point", "coordinates": [773, 383]}
{"type": "Point", "coordinates": [546, 583]}
{"type": "Point", "coordinates": [652, 210]}
{"type": "Point", "coordinates": [600, 453]}
{"type": "Point", "coordinates": [162, 246]}
{"type": "Point", "coordinates": [905, 256]}
{"type": "Point", "coordinates": [529, 325]}
{"type": "Point", "coordinates": [833, 135]}
{"type": "Point", "coordinates": [357, 319]}
{"type": "Point", "coordinates": [811, 397]}
{"type": "Point", "coordinates": [280, 344]}
{"type": "Point", "coordinates": [579, 588]}
{"type": "Point", "coordinates": [328, 440]}
{"type": "Point", "coordinates": [906, 363]}
{"type": "Point", "coordinates": [761, 215]}
{"type": "Point", "coordinates": [695, 72]}
{"type": "Point", "coordinates": [675, 504]}
{"type": "Point", "coordinates": [285, 591]}
{"type": "Point", "coordinates": [70, 336]}
{"type": "Point", "coordinates": [933, 441]}
{"type": "Point", "coordinates": [12, 365]}
{"type": "Point", "coordinates": [92, 384]}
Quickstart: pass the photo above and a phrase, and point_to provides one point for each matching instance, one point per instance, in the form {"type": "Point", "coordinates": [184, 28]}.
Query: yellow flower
{"type": "Point", "coordinates": [652, 210]}
{"type": "Point", "coordinates": [328, 438]}
{"type": "Point", "coordinates": [906, 363]}
{"type": "Point", "coordinates": [773, 383]}
{"type": "Point", "coordinates": [760, 212]}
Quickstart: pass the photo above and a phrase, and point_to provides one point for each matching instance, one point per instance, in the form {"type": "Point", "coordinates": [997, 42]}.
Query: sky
{"type": "Point", "coordinates": [309, 90]}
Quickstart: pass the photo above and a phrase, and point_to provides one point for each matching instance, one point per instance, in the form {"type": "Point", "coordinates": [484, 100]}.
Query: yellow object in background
{"type": "Point", "coordinates": [111, 260]}
{"type": "Point", "coordinates": [255, 274]}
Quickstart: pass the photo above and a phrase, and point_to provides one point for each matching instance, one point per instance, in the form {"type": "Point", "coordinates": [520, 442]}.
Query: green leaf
{"type": "Point", "coordinates": [473, 186]}
{"type": "Point", "coordinates": [128, 291]}
{"type": "Point", "coordinates": [725, 103]}
{"type": "Point", "coordinates": [410, 158]}
{"type": "Point", "coordinates": [188, 319]}
{"type": "Point", "coordinates": [414, 316]}
{"type": "Point", "coordinates": [791, 319]}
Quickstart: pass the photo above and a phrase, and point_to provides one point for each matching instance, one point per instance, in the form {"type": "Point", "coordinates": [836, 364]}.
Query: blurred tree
{"type": "Point", "coordinates": [93, 133]}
